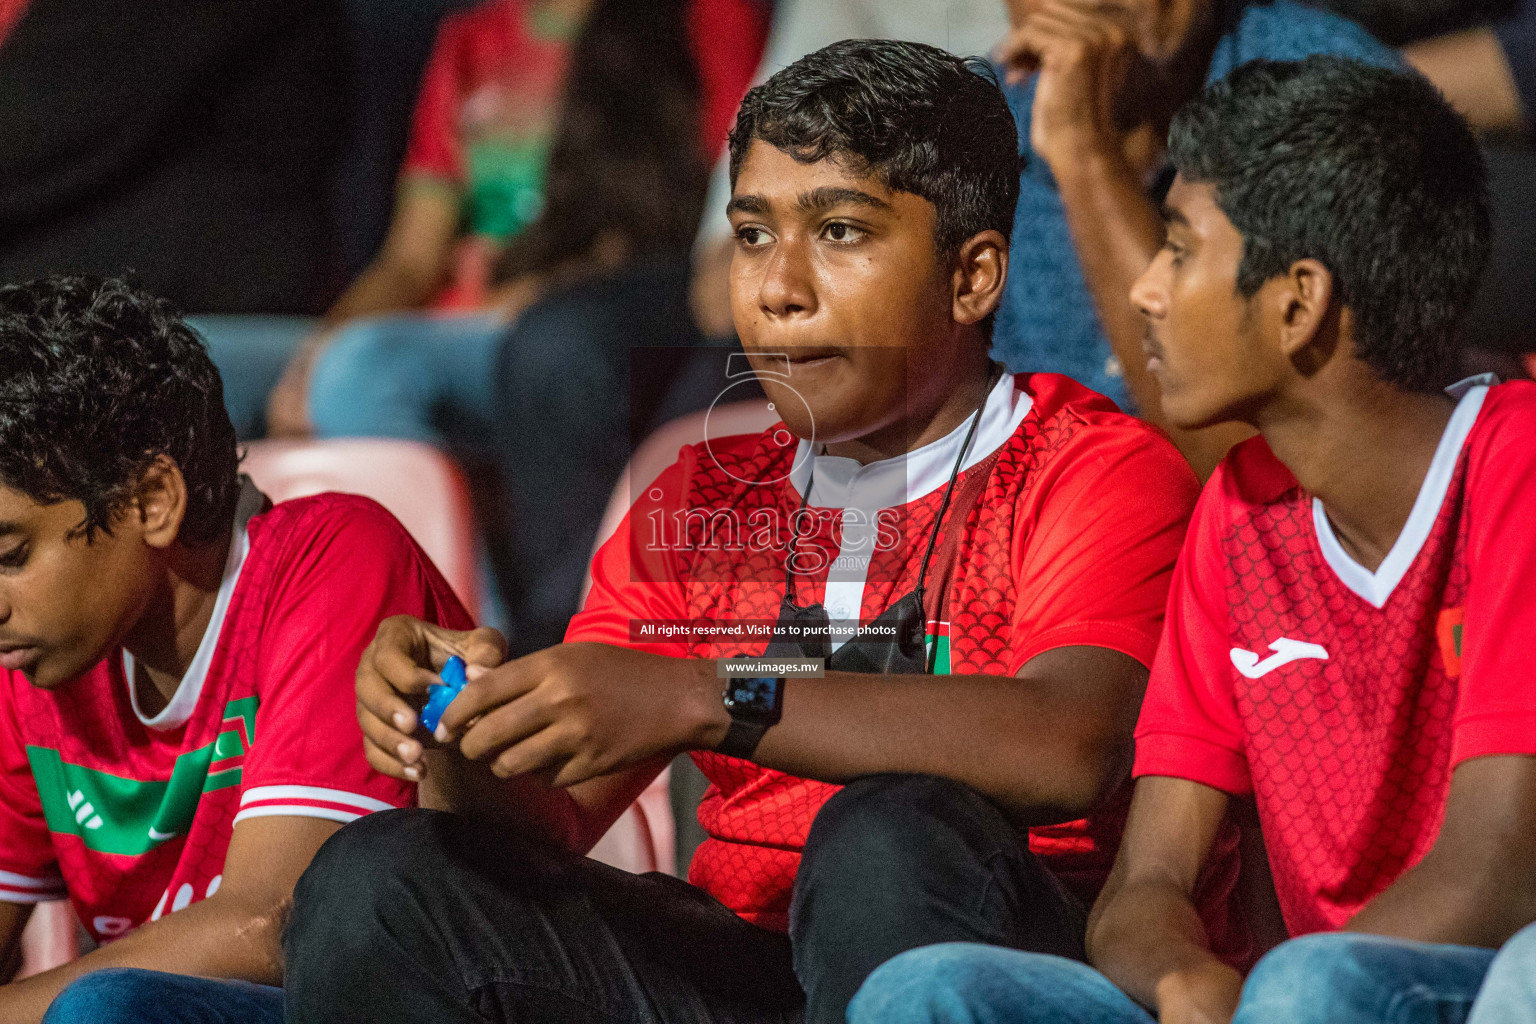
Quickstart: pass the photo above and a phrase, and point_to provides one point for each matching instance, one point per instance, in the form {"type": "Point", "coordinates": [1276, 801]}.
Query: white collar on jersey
{"type": "Point", "coordinates": [844, 483]}
{"type": "Point", "coordinates": [175, 714]}
{"type": "Point", "coordinates": [1376, 587]}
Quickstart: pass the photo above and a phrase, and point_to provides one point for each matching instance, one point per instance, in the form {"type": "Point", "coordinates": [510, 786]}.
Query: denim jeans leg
{"type": "Point", "coordinates": [966, 983]}
{"type": "Point", "coordinates": [251, 352]}
{"type": "Point", "coordinates": [411, 377]}
{"type": "Point", "coordinates": [1354, 978]}
{"type": "Point", "coordinates": [129, 996]}
{"type": "Point", "coordinates": [1508, 995]}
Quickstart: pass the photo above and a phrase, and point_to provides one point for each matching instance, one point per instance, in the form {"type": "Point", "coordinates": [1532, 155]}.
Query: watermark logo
{"type": "Point", "coordinates": [742, 375]}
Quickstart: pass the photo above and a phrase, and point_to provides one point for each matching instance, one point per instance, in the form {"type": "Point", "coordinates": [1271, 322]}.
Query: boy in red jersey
{"type": "Point", "coordinates": [1022, 523]}
{"type": "Point", "coordinates": [176, 659]}
{"type": "Point", "coordinates": [1344, 642]}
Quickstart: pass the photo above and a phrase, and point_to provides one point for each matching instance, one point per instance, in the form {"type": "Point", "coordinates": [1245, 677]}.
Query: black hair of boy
{"type": "Point", "coordinates": [1369, 171]}
{"type": "Point", "coordinates": [916, 118]}
{"type": "Point", "coordinates": [100, 378]}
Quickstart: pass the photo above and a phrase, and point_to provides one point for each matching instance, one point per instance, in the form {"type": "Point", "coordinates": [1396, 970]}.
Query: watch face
{"type": "Point", "coordinates": [754, 694]}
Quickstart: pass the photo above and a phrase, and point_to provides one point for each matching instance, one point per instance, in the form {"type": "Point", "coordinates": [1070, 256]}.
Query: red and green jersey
{"type": "Point", "coordinates": [130, 815]}
{"type": "Point", "coordinates": [1066, 522]}
{"type": "Point", "coordinates": [1343, 698]}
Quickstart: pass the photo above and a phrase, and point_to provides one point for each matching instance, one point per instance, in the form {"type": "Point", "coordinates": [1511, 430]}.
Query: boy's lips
{"type": "Point", "coordinates": [14, 659]}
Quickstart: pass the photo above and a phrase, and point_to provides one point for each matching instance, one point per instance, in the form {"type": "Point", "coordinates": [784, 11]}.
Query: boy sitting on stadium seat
{"type": "Point", "coordinates": [1345, 631]}
{"type": "Point", "coordinates": [977, 560]}
{"type": "Point", "coordinates": [178, 733]}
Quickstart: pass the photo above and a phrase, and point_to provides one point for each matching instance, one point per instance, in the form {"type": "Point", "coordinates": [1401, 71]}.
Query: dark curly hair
{"type": "Point", "coordinates": [1366, 170]}
{"type": "Point", "coordinates": [918, 119]}
{"type": "Point", "coordinates": [97, 379]}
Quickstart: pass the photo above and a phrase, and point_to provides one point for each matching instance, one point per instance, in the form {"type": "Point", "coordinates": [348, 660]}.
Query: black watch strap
{"type": "Point", "coordinates": [742, 738]}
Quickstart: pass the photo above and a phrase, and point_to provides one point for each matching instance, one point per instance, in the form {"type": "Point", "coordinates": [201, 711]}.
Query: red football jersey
{"type": "Point", "coordinates": [129, 815]}
{"type": "Point", "coordinates": [1066, 522]}
{"type": "Point", "coordinates": [1341, 698]}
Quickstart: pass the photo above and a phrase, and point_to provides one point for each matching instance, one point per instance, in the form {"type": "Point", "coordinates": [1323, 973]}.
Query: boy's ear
{"type": "Point", "coordinates": [981, 267]}
{"type": "Point", "coordinates": [160, 502]}
{"type": "Point", "coordinates": [1305, 300]}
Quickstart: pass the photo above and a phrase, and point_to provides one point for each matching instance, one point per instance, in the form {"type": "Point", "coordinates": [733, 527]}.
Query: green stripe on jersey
{"type": "Point", "coordinates": [113, 814]}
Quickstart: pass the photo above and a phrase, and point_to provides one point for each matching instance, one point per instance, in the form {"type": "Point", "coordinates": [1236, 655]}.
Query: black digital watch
{"type": "Point", "coordinates": [754, 703]}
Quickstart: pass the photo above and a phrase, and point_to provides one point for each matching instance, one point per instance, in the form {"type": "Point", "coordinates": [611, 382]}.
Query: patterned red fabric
{"type": "Point", "coordinates": [134, 822]}
{"type": "Point", "coordinates": [1349, 757]}
{"type": "Point", "coordinates": [1077, 521]}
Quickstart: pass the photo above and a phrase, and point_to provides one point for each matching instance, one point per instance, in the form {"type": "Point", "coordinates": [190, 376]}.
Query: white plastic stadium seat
{"type": "Point", "coordinates": [51, 938]}
{"type": "Point", "coordinates": [420, 485]}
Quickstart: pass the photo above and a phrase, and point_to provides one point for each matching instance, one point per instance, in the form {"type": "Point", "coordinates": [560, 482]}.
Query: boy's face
{"type": "Point", "coordinates": [64, 602]}
{"type": "Point", "coordinates": [842, 275]}
{"type": "Point", "coordinates": [1204, 340]}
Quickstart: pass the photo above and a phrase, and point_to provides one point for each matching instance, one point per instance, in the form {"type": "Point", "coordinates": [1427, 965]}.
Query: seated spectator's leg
{"type": "Point", "coordinates": [963, 983]}
{"type": "Point", "coordinates": [894, 862]}
{"type": "Point", "coordinates": [425, 916]}
{"type": "Point", "coordinates": [251, 353]}
{"type": "Point", "coordinates": [1350, 977]}
{"type": "Point", "coordinates": [127, 996]}
{"type": "Point", "coordinates": [407, 377]}
{"type": "Point", "coordinates": [1508, 995]}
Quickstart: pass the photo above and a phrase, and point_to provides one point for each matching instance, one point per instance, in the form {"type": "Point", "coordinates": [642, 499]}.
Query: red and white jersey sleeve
{"type": "Point", "coordinates": [1189, 726]}
{"type": "Point", "coordinates": [1106, 518]}
{"type": "Point", "coordinates": [1496, 710]}
{"type": "Point", "coordinates": [29, 870]}
{"type": "Point", "coordinates": [348, 565]}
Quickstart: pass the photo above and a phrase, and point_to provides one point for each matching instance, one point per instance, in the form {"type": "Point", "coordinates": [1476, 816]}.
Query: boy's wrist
{"type": "Point", "coordinates": [704, 711]}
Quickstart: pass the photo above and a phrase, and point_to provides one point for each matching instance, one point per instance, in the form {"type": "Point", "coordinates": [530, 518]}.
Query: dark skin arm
{"type": "Point", "coordinates": [1082, 52]}
{"type": "Point", "coordinates": [1477, 884]}
{"type": "Point", "coordinates": [1144, 933]}
{"type": "Point", "coordinates": [580, 715]}
{"type": "Point", "coordinates": [235, 933]}
{"type": "Point", "coordinates": [13, 921]}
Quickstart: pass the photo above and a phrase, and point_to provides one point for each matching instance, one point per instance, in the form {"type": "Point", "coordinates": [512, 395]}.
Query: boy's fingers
{"type": "Point", "coordinates": [501, 728]}
{"type": "Point", "coordinates": [491, 689]}
{"type": "Point", "coordinates": [484, 647]}
{"type": "Point", "coordinates": [399, 745]}
{"type": "Point", "coordinates": [384, 763]}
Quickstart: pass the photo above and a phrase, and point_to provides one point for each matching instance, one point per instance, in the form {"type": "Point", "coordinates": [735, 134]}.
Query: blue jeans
{"type": "Point", "coordinates": [412, 377]}
{"type": "Point", "coordinates": [251, 352]}
{"type": "Point", "coordinates": [1328, 978]}
{"type": "Point", "coordinates": [128, 996]}
{"type": "Point", "coordinates": [1508, 995]}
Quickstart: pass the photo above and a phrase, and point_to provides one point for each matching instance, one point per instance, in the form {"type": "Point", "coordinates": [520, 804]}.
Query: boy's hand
{"type": "Point", "coordinates": [576, 711]}
{"type": "Point", "coordinates": [392, 679]}
{"type": "Point", "coordinates": [1205, 995]}
{"type": "Point", "coordinates": [1082, 50]}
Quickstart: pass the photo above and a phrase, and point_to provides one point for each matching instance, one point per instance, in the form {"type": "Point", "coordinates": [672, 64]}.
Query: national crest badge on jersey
{"type": "Point", "coordinates": [936, 643]}
{"type": "Point", "coordinates": [129, 817]}
{"type": "Point", "coordinates": [1448, 630]}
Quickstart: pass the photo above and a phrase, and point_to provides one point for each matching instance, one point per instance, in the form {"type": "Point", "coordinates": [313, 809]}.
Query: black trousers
{"type": "Point", "coordinates": [424, 916]}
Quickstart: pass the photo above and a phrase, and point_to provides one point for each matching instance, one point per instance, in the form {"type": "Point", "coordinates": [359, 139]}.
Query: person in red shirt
{"type": "Point", "coordinates": [1340, 645]}
{"type": "Point", "coordinates": [176, 659]}
{"type": "Point", "coordinates": [974, 564]}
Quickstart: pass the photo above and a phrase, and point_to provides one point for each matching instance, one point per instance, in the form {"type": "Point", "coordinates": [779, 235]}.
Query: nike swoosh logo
{"type": "Point", "coordinates": [1286, 651]}
{"type": "Point", "coordinates": [159, 836]}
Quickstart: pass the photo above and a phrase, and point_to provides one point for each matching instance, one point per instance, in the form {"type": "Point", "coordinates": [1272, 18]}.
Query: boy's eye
{"type": "Point", "coordinates": [840, 232]}
{"type": "Point", "coordinates": [15, 558]}
{"type": "Point", "coordinates": [751, 236]}
{"type": "Point", "coordinates": [1178, 252]}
